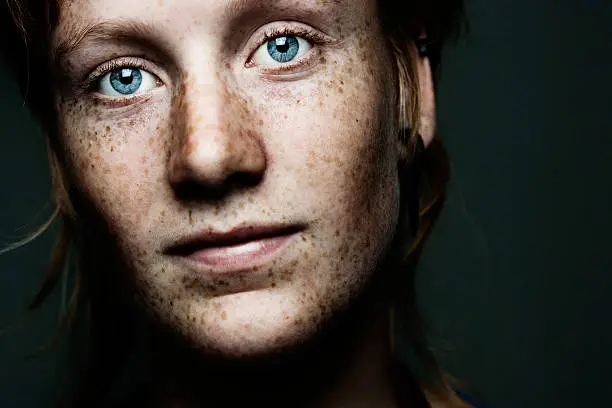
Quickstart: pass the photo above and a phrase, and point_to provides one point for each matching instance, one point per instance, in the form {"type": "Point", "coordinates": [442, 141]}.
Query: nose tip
{"type": "Point", "coordinates": [217, 160]}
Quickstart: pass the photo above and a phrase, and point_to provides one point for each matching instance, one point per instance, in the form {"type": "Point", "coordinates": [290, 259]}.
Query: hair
{"type": "Point", "coordinates": [25, 29]}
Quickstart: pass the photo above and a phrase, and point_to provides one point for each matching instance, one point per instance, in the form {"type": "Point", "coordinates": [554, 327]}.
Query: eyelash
{"type": "Point", "coordinates": [131, 62]}
{"type": "Point", "coordinates": [109, 66]}
{"type": "Point", "coordinates": [312, 36]}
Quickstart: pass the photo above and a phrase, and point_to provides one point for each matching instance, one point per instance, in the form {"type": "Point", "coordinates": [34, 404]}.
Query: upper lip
{"type": "Point", "coordinates": [236, 235]}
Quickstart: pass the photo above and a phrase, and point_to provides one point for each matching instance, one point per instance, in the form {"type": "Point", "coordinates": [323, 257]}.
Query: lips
{"type": "Point", "coordinates": [240, 250]}
{"type": "Point", "coordinates": [239, 235]}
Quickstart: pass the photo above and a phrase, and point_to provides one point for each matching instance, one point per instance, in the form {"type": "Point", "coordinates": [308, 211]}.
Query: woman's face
{"type": "Point", "coordinates": [181, 119]}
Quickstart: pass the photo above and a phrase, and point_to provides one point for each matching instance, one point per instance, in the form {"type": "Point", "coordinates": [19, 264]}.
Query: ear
{"type": "Point", "coordinates": [427, 127]}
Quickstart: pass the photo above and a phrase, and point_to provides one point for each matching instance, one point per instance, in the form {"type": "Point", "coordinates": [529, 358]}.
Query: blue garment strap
{"type": "Point", "coordinates": [471, 400]}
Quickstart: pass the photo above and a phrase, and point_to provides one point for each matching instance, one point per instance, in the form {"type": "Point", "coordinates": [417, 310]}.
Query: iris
{"type": "Point", "coordinates": [283, 49]}
{"type": "Point", "coordinates": [126, 80]}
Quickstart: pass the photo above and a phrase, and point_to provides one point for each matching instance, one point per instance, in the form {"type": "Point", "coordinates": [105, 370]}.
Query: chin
{"type": "Point", "coordinates": [251, 324]}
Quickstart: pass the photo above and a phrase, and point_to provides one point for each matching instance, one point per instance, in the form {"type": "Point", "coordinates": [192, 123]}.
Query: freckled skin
{"type": "Point", "coordinates": [319, 148]}
{"type": "Point", "coordinates": [314, 162]}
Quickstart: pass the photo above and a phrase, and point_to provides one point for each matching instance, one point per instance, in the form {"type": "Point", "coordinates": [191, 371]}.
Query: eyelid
{"type": "Point", "coordinates": [289, 28]}
{"type": "Point", "coordinates": [122, 62]}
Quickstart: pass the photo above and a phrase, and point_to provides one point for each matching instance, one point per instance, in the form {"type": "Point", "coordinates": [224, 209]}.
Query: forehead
{"type": "Point", "coordinates": [177, 19]}
{"type": "Point", "coordinates": [204, 10]}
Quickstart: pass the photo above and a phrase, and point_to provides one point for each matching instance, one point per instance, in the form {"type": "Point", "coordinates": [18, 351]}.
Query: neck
{"type": "Point", "coordinates": [347, 366]}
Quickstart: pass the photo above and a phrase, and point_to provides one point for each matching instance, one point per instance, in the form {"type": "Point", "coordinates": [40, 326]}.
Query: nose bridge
{"type": "Point", "coordinates": [212, 136]}
{"type": "Point", "coordinates": [201, 107]}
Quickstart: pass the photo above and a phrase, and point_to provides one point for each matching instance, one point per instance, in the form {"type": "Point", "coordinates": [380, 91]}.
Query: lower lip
{"type": "Point", "coordinates": [240, 256]}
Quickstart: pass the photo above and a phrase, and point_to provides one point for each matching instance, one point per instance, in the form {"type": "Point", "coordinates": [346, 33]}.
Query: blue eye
{"type": "Point", "coordinates": [126, 81]}
{"type": "Point", "coordinates": [283, 49]}
{"type": "Point", "coordinates": [280, 50]}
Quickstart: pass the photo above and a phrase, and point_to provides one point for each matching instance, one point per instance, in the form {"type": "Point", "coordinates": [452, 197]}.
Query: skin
{"type": "Point", "coordinates": [219, 137]}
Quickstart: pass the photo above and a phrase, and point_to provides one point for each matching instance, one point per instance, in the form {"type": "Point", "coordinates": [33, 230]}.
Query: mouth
{"type": "Point", "coordinates": [241, 248]}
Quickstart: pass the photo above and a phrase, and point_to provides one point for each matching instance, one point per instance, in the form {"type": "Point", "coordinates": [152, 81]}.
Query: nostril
{"type": "Point", "coordinates": [243, 179]}
{"type": "Point", "coordinates": [190, 189]}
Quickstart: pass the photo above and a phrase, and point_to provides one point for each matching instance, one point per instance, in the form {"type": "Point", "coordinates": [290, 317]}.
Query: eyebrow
{"type": "Point", "coordinates": [115, 30]}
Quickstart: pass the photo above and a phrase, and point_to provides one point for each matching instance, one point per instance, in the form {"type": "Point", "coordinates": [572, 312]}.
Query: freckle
{"type": "Point", "coordinates": [107, 129]}
{"type": "Point", "coordinates": [132, 123]}
{"type": "Point", "coordinates": [223, 315]}
{"type": "Point", "coordinates": [112, 148]}
{"type": "Point", "coordinates": [298, 101]}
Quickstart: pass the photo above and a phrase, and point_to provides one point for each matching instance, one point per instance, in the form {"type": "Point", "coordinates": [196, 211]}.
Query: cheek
{"type": "Point", "coordinates": [335, 144]}
{"type": "Point", "coordinates": [334, 133]}
{"type": "Point", "coordinates": [115, 160]}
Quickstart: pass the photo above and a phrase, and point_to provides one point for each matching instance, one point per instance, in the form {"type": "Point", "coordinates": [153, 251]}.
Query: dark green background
{"type": "Point", "coordinates": [517, 275]}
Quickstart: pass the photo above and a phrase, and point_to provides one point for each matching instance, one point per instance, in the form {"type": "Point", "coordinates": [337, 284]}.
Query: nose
{"type": "Point", "coordinates": [215, 143]}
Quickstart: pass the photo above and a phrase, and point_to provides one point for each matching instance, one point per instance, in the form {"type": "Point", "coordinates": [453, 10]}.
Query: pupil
{"type": "Point", "coordinates": [126, 76]}
{"type": "Point", "coordinates": [282, 44]}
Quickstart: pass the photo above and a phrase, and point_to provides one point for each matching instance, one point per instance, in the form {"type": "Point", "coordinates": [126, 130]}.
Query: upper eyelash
{"type": "Point", "coordinates": [297, 32]}
{"type": "Point", "coordinates": [109, 66]}
{"type": "Point", "coordinates": [131, 62]}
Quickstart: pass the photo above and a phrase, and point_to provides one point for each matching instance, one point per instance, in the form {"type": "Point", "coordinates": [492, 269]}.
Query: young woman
{"type": "Point", "coordinates": [248, 185]}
